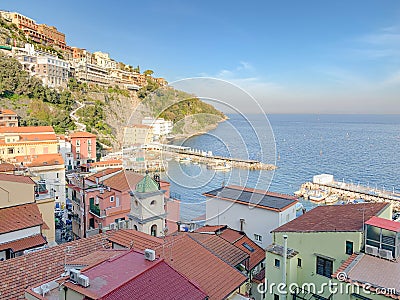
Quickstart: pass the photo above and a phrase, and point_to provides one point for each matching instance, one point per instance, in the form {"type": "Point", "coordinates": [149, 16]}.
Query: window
{"type": "Point", "coordinates": [153, 202]}
{"type": "Point", "coordinates": [112, 199]}
{"type": "Point", "coordinates": [10, 150]}
{"type": "Point", "coordinates": [78, 142]}
{"type": "Point", "coordinates": [248, 247]}
{"type": "Point", "coordinates": [276, 297]}
{"type": "Point", "coordinates": [258, 237]}
{"type": "Point", "coordinates": [324, 266]}
{"type": "Point", "coordinates": [277, 263]}
{"type": "Point", "coordinates": [349, 247]}
{"type": "Point", "coordinates": [153, 230]}
{"type": "Point", "coordinates": [299, 262]}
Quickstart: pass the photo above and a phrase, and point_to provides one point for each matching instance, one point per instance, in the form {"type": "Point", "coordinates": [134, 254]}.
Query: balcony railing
{"type": "Point", "coordinates": [95, 210]}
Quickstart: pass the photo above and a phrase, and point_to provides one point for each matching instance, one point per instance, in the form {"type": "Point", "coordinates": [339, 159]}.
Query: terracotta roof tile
{"type": "Point", "coordinates": [16, 178]}
{"type": "Point", "coordinates": [229, 253]}
{"type": "Point", "coordinates": [82, 134]}
{"type": "Point", "coordinates": [19, 217]}
{"type": "Point", "coordinates": [231, 235]}
{"type": "Point", "coordinates": [106, 162]}
{"type": "Point", "coordinates": [97, 257]}
{"type": "Point", "coordinates": [25, 243]}
{"type": "Point", "coordinates": [211, 228]}
{"type": "Point", "coordinates": [16, 274]}
{"type": "Point", "coordinates": [103, 173]}
{"type": "Point", "coordinates": [256, 256]}
{"type": "Point", "coordinates": [123, 181]}
{"type": "Point", "coordinates": [41, 160]}
{"type": "Point", "coordinates": [37, 137]}
{"type": "Point", "coordinates": [135, 239]}
{"type": "Point", "coordinates": [365, 269]}
{"type": "Point", "coordinates": [28, 129]}
{"type": "Point", "coordinates": [333, 218]}
{"type": "Point", "coordinates": [6, 167]}
{"type": "Point", "coordinates": [5, 111]}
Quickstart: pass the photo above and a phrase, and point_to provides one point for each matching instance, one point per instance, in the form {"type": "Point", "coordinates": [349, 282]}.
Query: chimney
{"type": "Point", "coordinates": [241, 225]}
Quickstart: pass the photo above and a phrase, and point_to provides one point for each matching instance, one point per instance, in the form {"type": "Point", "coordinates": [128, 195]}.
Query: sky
{"type": "Point", "coordinates": [306, 56]}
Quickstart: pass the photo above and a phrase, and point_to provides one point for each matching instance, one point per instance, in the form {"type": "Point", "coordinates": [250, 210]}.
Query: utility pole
{"type": "Point", "coordinates": [84, 207]}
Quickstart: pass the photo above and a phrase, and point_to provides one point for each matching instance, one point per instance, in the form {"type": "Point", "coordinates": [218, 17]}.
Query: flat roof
{"type": "Point", "coordinates": [384, 223]}
{"type": "Point", "coordinates": [252, 197]}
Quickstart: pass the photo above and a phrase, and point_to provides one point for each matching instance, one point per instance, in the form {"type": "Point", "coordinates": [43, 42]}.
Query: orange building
{"type": "Point", "coordinates": [8, 118]}
{"type": "Point", "coordinates": [52, 33]}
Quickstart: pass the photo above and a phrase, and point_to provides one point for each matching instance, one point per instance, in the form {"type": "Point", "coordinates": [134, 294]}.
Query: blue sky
{"type": "Point", "coordinates": [292, 56]}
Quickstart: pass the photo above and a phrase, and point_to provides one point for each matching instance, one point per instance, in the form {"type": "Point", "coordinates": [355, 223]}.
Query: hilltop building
{"type": "Point", "coordinates": [8, 118]}
{"type": "Point", "coordinates": [138, 134]}
{"type": "Point", "coordinates": [160, 127]}
{"type": "Point", "coordinates": [252, 211]}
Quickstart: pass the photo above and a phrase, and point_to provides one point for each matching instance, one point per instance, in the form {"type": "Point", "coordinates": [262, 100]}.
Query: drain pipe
{"type": "Point", "coordinates": [284, 266]}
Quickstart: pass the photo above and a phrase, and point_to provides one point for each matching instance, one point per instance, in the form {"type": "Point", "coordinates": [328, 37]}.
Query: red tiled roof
{"type": "Point", "coordinates": [5, 111]}
{"type": "Point", "coordinates": [131, 276]}
{"type": "Point", "coordinates": [189, 258]}
{"type": "Point", "coordinates": [106, 162]}
{"type": "Point", "coordinates": [211, 228]}
{"type": "Point", "coordinates": [82, 134]}
{"type": "Point", "coordinates": [384, 223]}
{"type": "Point", "coordinates": [28, 129]}
{"type": "Point", "coordinates": [6, 167]}
{"type": "Point", "coordinates": [214, 276]}
{"type": "Point", "coordinates": [103, 173]}
{"type": "Point", "coordinates": [34, 268]}
{"type": "Point", "coordinates": [333, 218]}
{"type": "Point", "coordinates": [41, 160]}
{"type": "Point", "coordinates": [256, 256]}
{"type": "Point", "coordinates": [19, 217]}
{"type": "Point", "coordinates": [231, 235]}
{"type": "Point", "coordinates": [123, 181]}
{"type": "Point", "coordinates": [96, 257]}
{"type": "Point", "coordinates": [372, 273]}
{"type": "Point", "coordinates": [16, 178]}
{"type": "Point", "coordinates": [25, 243]}
{"type": "Point", "coordinates": [135, 239]}
{"type": "Point", "coordinates": [229, 253]}
{"type": "Point", "coordinates": [37, 137]}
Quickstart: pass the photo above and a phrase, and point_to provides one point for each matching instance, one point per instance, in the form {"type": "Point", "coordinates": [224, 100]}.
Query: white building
{"type": "Point", "coordinates": [252, 211]}
{"type": "Point", "coordinates": [65, 149]}
{"type": "Point", "coordinates": [103, 60]}
{"type": "Point", "coordinates": [160, 126]}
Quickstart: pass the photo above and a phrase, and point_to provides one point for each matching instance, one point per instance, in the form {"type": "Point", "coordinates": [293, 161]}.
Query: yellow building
{"type": "Point", "coordinates": [138, 134]}
{"type": "Point", "coordinates": [317, 244]}
{"type": "Point", "coordinates": [17, 141]}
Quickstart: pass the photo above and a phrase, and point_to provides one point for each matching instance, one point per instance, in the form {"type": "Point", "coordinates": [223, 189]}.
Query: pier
{"type": "Point", "coordinates": [206, 157]}
{"type": "Point", "coordinates": [349, 192]}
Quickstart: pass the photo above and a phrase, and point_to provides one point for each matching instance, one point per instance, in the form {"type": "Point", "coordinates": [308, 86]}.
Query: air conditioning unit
{"type": "Point", "coordinates": [371, 250]}
{"type": "Point", "coordinates": [121, 224]}
{"type": "Point", "coordinates": [83, 280]}
{"type": "Point", "coordinates": [386, 254]}
{"type": "Point", "coordinates": [74, 274]}
{"type": "Point", "coordinates": [150, 254]}
{"type": "Point", "coordinates": [112, 226]}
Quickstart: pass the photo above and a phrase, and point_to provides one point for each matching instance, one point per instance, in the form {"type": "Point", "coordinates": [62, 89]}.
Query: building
{"type": "Point", "coordinates": [53, 35]}
{"type": "Point", "coordinates": [193, 259]}
{"type": "Point", "coordinates": [102, 165]}
{"type": "Point", "coordinates": [65, 149]}
{"type": "Point", "coordinates": [27, 57]}
{"type": "Point", "coordinates": [42, 266]}
{"type": "Point", "coordinates": [83, 147]}
{"type": "Point", "coordinates": [50, 170]}
{"type": "Point", "coordinates": [252, 211]}
{"type": "Point", "coordinates": [18, 141]}
{"type": "Point", "coordinates": [125, 275]}
{"type": "Point", "coordinates": [103, 60]}
{"type": "Point", "coordinates": [91, 73]}
{"type": "Point", "coordinates": [21, 21]}
{"type": "Point", "coordinates": [374, 273]}
{"type": "Point", "coordinates": [52, 70]}
{"type": "Point", "coordinates": [22, 235]}
{"type": "Point", "coordinates": [160, 126]}
{"type": "Point", "coordinates": [80, 55]}
{"type": "Point", "coordinates": [8, 118]}
{"type": "Point", "coordinates": [318, 243]}
{"type": "Point", "coordinates": [138, 134]}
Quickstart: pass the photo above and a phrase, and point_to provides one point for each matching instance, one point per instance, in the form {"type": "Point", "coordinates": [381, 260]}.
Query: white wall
{"type": "Point", "coordinates": [257, 220]}
{"type": "Point", "coordinates": [19, 234]}
{"type": "Point", "coordinates": [57, 183]}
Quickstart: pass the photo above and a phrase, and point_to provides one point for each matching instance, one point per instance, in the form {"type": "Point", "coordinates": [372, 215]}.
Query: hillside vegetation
{"type": "Point", "coordinates": [106, 111]}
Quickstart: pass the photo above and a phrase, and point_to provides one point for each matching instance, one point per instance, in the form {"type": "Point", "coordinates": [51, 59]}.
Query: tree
{"type": "Point", "coordinates": [148, 72]}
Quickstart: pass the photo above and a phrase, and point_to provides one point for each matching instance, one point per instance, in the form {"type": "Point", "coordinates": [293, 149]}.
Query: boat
{"type": "Point", "coordinates": [185, 160]}
{"type": "Point", "coordinates": [332, 199]}
{"type": "Point", "coordinates": [195, 163]}
{"type": "Point", "coordinates": [219, 167]}
{"type": "Point", "coordinates": [298, 193]}
{"type": "Point", "coordinates": [317, 196]}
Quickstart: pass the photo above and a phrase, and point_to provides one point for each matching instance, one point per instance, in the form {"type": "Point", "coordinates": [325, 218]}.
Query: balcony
{"type": "Point", "coordinates": [96, 211]}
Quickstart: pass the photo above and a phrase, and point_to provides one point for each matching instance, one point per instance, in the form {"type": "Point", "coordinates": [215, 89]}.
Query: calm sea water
{"type": "Point", "coordinates": [361, 149]}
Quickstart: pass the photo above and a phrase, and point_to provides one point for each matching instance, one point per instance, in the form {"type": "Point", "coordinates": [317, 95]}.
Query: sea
{"type": "Point", "coordinates": [358, 149]}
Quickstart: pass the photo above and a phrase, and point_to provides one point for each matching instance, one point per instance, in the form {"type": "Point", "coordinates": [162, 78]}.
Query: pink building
{"type": "Point", "coordinates": [83, 147]}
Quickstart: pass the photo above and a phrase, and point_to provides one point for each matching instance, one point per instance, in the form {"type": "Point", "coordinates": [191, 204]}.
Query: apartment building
{"type": "Point", "coordinates": [83, 147]}
{"type": "Point", "coordinates": [103, 60]}
{"type": "Point", "coordinates": [91, 73]}
{"type": "Point", "coordinates": [8, 118]}
{"type": "Point", "coordinates": [52, 70]}
{"type": "Point", "coordinates": [138, 134]}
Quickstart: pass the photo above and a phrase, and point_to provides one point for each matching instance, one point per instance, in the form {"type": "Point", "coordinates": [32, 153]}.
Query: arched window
{"type": "Point", "coordinates": [153, 230]}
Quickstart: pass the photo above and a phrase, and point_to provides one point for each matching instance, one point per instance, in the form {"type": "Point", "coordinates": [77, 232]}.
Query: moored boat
{"type": "Point", "coordinates": [332, 199]}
